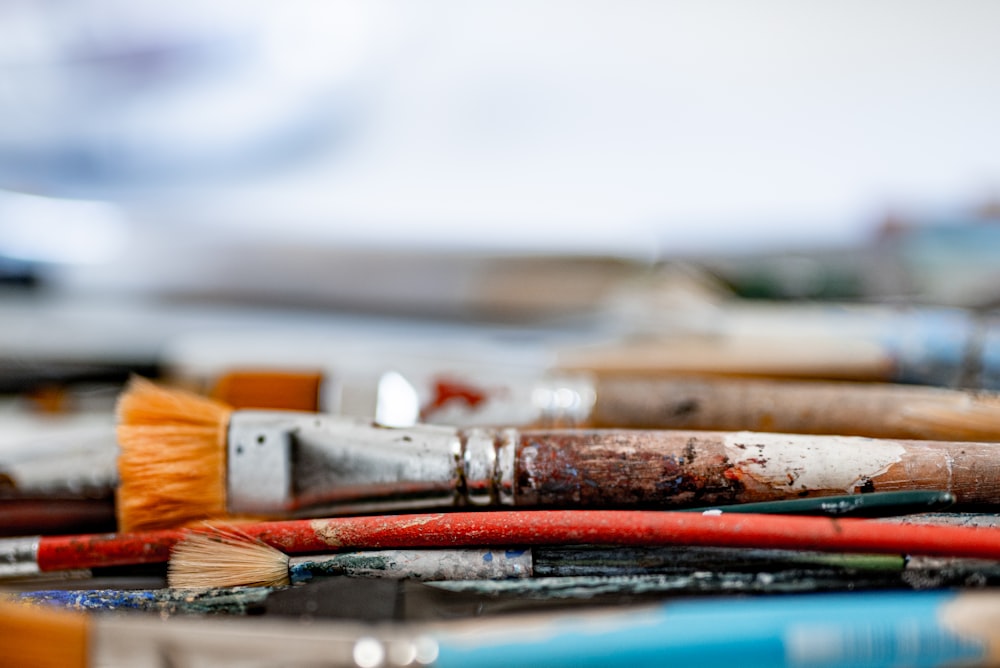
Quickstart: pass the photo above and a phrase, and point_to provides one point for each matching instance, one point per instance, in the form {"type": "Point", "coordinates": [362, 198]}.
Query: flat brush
{"type": "Point", "coordinates": [186, 458]}
{"type": "Point", "coordinates": [230, 560]}
{"type": "Point", "coordinates": [634, 528]}
{"type": "Point", "coordinates": [833, 630]}
{"type": "Point", "coordinates": [877, 410]}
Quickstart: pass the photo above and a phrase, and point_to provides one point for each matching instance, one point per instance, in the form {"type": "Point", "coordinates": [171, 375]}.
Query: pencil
{"type": "Point", "coordinates": [836, 630]}
{"type": "Point", "coordinates": [42, 554]}
{"type": "Point", "coordinates": [186, 458]}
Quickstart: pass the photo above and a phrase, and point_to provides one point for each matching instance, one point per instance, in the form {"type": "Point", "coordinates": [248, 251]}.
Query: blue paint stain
{"type": "Point", "coordinates": [488, 557]}
{"type": "Point", "coordinates": [106, 599]}
{"type": "Point", "coordinates": [513, 554]}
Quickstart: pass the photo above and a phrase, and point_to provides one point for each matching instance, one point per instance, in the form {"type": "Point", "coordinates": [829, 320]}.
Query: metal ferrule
{"type": "Point", "coordinates": [304, 464]}
{"type": "Point", "coordinates": [19, 557]}
{"type": "Point", "coordinates": [119, 641]}
{"type": "Point", "coordinates": [563, 400]}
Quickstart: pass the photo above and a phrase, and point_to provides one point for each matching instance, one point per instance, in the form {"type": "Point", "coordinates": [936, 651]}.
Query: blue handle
{"type": "Point", "coordinates": [830, 631]}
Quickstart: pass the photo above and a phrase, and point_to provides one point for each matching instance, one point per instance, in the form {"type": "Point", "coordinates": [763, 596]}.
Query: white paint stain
{"type": "Point", "coordinates": [796, 462]}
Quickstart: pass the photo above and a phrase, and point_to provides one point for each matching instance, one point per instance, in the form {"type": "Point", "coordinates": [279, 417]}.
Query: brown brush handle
{"type": "Point", "coordinates": [602, 468]}
{"type": "Point", "coordinates": [772, 357]}
{"type": "Point", "coordinates": [878, 410]}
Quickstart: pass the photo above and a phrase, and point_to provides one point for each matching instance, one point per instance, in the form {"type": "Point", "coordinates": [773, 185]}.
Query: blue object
{"type": "Point", "coordinates": [830, 631]}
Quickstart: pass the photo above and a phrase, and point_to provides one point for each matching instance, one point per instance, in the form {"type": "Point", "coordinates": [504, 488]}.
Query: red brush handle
{"type": "Point", "coordinates": [545, 527]}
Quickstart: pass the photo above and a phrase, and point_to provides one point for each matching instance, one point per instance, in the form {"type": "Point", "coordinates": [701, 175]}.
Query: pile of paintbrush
{"type": "Point", "coordinates": [505, 518]}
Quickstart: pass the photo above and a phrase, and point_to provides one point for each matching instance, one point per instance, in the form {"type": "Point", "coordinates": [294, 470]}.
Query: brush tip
{"type": "Point", "coordinates": [220, 559]}
{"type": "Point", "coordinates": [172, 461]}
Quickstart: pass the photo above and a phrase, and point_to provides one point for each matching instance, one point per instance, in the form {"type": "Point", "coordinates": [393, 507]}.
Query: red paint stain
{"type": "Point", "coordinates": [733, 474]}
{"type": "Point", "coordinates": [448, 391]}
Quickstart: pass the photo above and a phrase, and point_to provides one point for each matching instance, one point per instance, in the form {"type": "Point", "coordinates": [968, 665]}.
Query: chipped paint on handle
{"type": "Point", "coordinates": [594, 468]}
{"type": "Point", "coordinates": [797, 463]}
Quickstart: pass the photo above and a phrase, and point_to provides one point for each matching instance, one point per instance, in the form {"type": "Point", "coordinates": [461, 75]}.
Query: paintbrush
{"type": "Point", "coordinates": [501, 397]}
{"type": "Point", "coordinates": [185, 458]}
{"type": "Point", "coordinates": [875, 504]}
{"type": "Point", "coordinates": [32, 555]}
{"type": "Point", "coordinates": [834, 630]}
{"type": "Point", "coordinates": [230, 560]}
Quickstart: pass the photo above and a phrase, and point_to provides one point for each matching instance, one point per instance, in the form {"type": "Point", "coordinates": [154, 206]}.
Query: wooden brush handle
{"type": "Point", "coordinates": [773, 357]}
{"type": "Point", "coordinates": [605, 468]}
{"type": "Point", "coordinates": [878, 410]}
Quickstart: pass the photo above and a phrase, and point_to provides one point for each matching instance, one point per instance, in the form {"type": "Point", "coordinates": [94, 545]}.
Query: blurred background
{"type": "Point", "coordinates": [382, 192]}
{"type": "Point", "coordinates": [509, 162]}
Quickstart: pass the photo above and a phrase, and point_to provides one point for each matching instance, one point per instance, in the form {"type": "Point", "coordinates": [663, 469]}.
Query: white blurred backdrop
{"type": "Point", "coordinates": [633, 127]}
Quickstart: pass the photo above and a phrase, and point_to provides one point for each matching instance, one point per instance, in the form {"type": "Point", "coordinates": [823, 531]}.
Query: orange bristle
{"type": "Point", "coordinates": [270, 389]}
{"type": "Point", "coordinates": [172, 466]}
{"type": "Point", "coordinates": [40, 637]}
{"type": "Point", "coordinates": [202, 561]}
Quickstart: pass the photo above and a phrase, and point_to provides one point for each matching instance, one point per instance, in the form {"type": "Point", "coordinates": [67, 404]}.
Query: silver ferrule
{"type": "Point", "coordinates": [124, 641]}
{"type": "Point", "coordinates": [488, 466]}
{"type": "Point", "coordinates": [479, 460]}
{"type": "Point", "coordinates": [304, 464]}
{"type": "Point", "coordinates": [19, 557]}
{"type": "Point", "coordinates": [563, 400]}
{"type": "Point", "coordinates": [503, 475]}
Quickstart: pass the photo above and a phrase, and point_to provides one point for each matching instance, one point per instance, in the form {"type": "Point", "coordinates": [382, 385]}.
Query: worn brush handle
{"type": "Point", "coordinates": [524, 528]}
{"type": "Point", "coordinates": [620, 468]}
{"type": "Point", "coordinates": [878, 410]}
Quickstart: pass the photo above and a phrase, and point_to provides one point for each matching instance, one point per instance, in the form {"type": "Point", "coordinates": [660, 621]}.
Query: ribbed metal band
{"type": "Point", "coordinates": [479, 463]}
{"type": "Point", "coordinates": [488, 466]}
{"type": "Point", "coordinates": [503, 474]}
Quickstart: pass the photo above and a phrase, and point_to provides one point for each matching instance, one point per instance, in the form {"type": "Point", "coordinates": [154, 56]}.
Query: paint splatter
{"type": "Point", "coordinates": [449, 391]}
